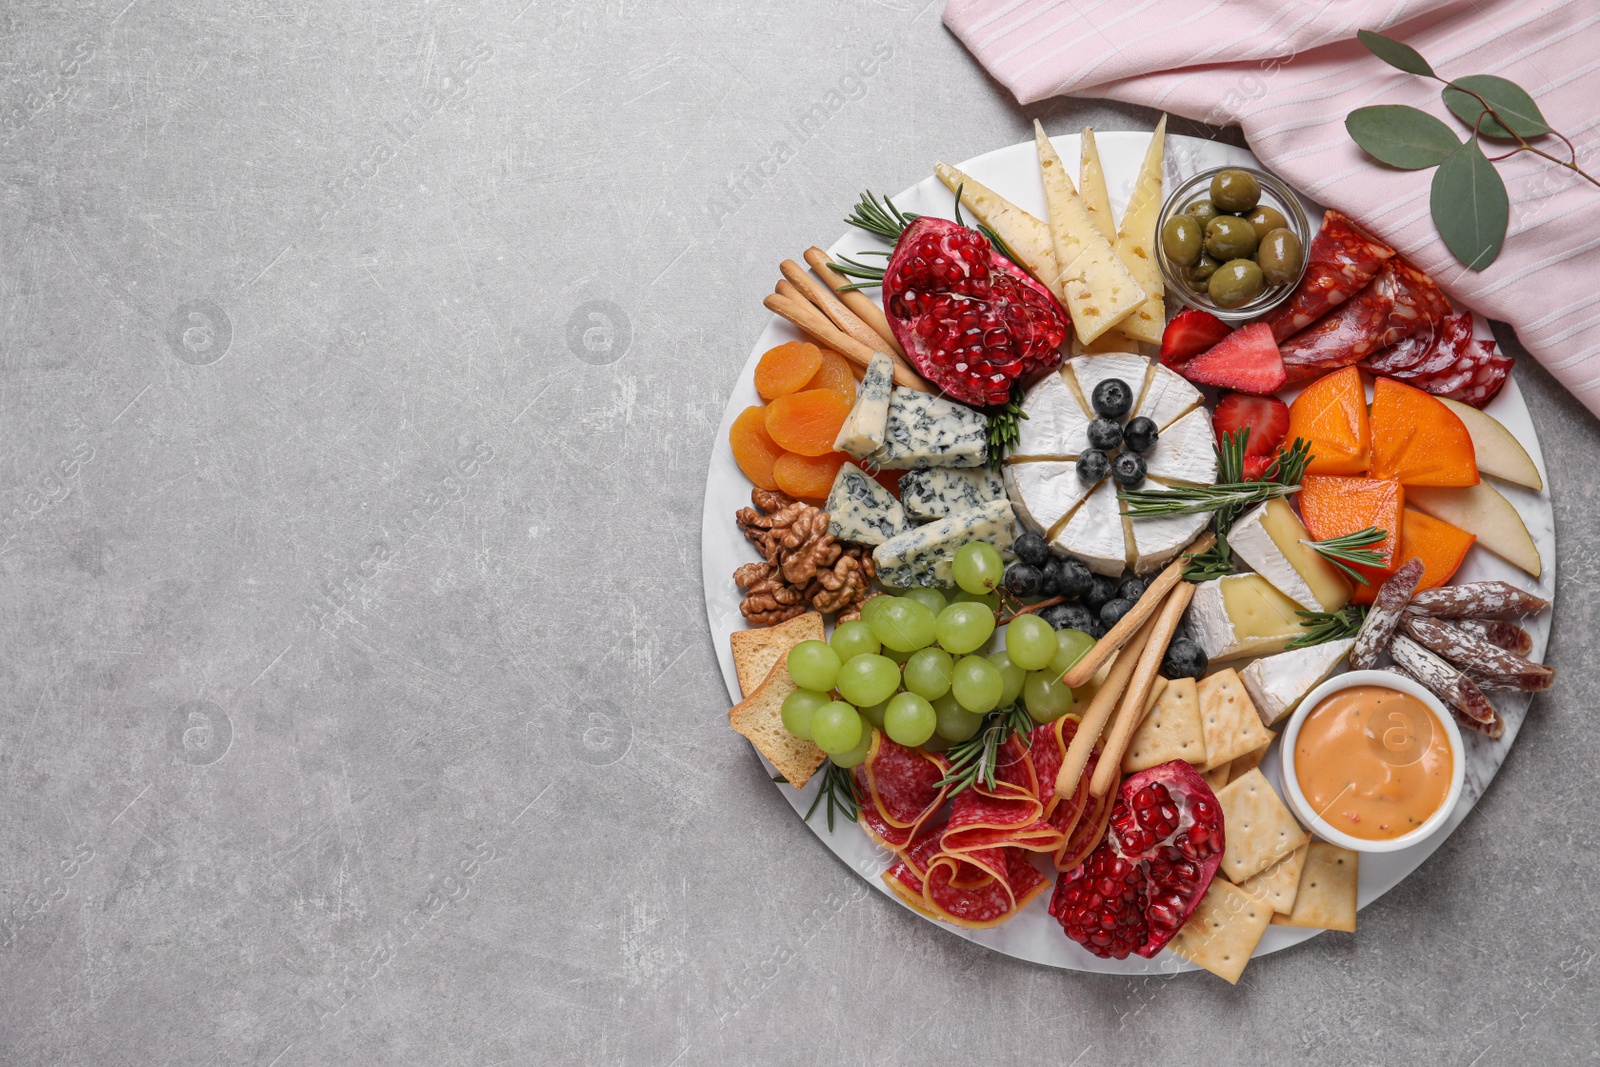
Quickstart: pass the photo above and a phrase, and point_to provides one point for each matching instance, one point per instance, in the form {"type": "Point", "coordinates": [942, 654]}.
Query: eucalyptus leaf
{"type": "Point", "coordinates": [1392, 52]}
{"type": "Point", "coordinates": [1509, 100]}
{"type": "Point", "coordinates": [1402, 136]}
{"type": "Point", "coordinates": [1470, 207]}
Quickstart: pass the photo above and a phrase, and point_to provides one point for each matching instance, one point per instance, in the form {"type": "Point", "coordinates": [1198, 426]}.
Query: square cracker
{"type": "Point", "coordinates": [1258, 827]}
{"type": "Point", "coordinates": [1223, 931]}
{"type": "Point", "coordinates": [1171, 728]}
{"type": "Point", "coordinates": [1243, 765]}
{"type": "Point", "coordinates": [1327, 897]}
{"type": "Point", "coordinates": [1217, 777]}
{"type": "Point", "coordinates": [759, 717]}
{"type": "Point", "coordinates": [1279, 883]}
{"type": "Point", "coordinates": [1229, 719]}
{"type": "Point", "coordinates": [757, 649]}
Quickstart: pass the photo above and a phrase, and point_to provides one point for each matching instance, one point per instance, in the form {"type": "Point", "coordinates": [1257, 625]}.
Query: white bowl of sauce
{"type": "Point", "coordinates": [1372, 761]}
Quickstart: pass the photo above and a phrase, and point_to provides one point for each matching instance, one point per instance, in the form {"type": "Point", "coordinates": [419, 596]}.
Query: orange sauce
{"type": "Point", "coordinates": [1373, 761]}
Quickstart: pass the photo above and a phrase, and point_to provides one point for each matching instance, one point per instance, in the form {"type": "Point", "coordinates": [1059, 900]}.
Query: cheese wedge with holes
{"type": "Point", "coordinates": [1242, 615]}
{"type": "Point", "coordinates": [1057, 426]}
{"type": "Point", "coordinates": [1269, 538]}
{"type": "Point", "coordinates": [1136, 245]}
{"type": "Point", "coordinates": [1185, 452]}
{"type": "Point", "coordinates": [1026, 235]}
{"type": "Point", "coordinates": [1045, 493]}
{"type": "Point", "coordinates": [1094, 533]}
{"type": "Point", "coordinates": [1278, 683]}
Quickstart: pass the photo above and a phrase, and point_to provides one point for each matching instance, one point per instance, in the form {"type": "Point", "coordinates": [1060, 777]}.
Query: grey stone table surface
{"type": "Point", "coordinates": [360, 365]}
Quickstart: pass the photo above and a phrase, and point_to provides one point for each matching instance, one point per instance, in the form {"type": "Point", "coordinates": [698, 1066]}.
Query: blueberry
{"type": "Point", "coordinates": [1105, 434]}
{"type": "Point", "coordinates": [1140, 434]}
{"type": "Point", "coordinates": [1070, 577]}
{"type": "Point", "coordinates": [1113, 610]}
{"type": "Point", "coordinates": [1031, 549]}
{"type": "Point", "coordinates": [1132, 588]}
{"type": "Point", "coordinates": [1023, 578]}
{"type": "Point", "coordinates": [1071, 617]}
{"type": "Point", "coordinates": [1127, 470]}
{"type": "Point", "coordinates": [1101, 589]}
{"type": "Point", "coordinates": [1184, 659]}
{"type": "Point", "coordinates": [1092, 465]}
{"type": "Point", "coordinates": [1112, 398]}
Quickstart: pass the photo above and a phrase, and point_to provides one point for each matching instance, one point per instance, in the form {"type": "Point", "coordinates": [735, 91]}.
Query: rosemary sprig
{"type": "Point", "coordinates": [1351, 549]}
{"type": "Point", "coordinates": [973, 760]}
{"type": "Point", "coordinates": [889, 222]}
{"type": "Point", "coordinates": [883, 219]}
{"type": "Point", "coordinates": [1322, 626]}
{"type": "Point", "coordinates": [1198, 499]}
{"type": "Point", "coordinates": [1004, 429]}
{"type": "Point", "coordinates": [839, 786]}
{"type": "Point", "coordinates": [1290, 466]}
{"type": "Point", "coordinates": [1215, 562]}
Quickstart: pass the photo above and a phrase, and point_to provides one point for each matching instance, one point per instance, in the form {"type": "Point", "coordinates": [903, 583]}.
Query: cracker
{"type": "Point", "coordinates": [1243, 765]}
{"type": "Point", "coordinates": [1223, 931]}
{"type": "Point", "coordinates": [1171, 728]}
{"type": "Point", "coordinates": [1258, 827]}
{"type": "Point", "coordinates": [759, 717]}
{"type": "Point", "coordinates": [1228, 718]}
{"type": "Point", "coordinates": [1216, 777]}
{"type": "Point", "coordinates": [1279, 883]}
{"type": "Point", "coordinates": [756, 650]}
{"type": "Point", "coordinates": [1327, 897]}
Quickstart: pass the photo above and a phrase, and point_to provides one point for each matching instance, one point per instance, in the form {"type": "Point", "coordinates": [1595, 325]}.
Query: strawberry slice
{"type": "Point", "coordinates": [1189, 334]}
{"type": "Point", "coordinates": [1256, 467]}
{"type": "Point", "coordinates": [1247, 360]}
{"type": "Point", "coordinates": [1267, 417]}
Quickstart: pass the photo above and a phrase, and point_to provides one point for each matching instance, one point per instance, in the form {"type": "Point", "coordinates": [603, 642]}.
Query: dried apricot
{"type": "Point", "coordinates": [807, 422]}
{"type": "Point", "coordinates": [808, 477]}
{"type": "Point", "coordinates": [1331, 415]}
{"type": "Point", "coordinates": [787, 368]}
{"type": "Point", "coordinates": [1417, 440]}
{"type": "Point", "coordinates": [835, 374]}
{"type": "Point", "coordinates": [753, 448]}
{"type": "Point", "coordinates": [1439, 545]}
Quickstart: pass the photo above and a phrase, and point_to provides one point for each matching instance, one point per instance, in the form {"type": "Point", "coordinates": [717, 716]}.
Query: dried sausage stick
{"type": "Point", "coordinates": [1384, 618]}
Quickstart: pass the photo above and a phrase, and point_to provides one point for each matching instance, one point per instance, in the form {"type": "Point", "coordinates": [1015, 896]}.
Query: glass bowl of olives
{"type": "Point", "coordinates": [1232, 241]}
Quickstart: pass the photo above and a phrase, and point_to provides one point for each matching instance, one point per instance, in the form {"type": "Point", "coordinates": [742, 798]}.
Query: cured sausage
{"type": "Point", "coordinates": [1439, 347]}
{"type": "Point", "coordinates": [1477, 654]}
{"type": "Point", "coordinates": [1490, 369]}
{"type": "Point", "coordinates": [1384, 617]}
{"type": "Point", "coordinates": [1507, 635]}
{"type": "Point", "coordinates": [1512, 683]}
{"type": "Point", "coordinates": [1340, 261]}
{"type": "Point", "coordinates": [1419, 304]}
{"type": "Point", "coordinates": [1477, 599]}
{"type": "Point", "coordinates": [1345, 335]}
{"type": "Point", "coordinates": [1448, 684]}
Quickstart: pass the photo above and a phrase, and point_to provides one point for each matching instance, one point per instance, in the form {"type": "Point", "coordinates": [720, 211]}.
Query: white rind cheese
{"type": "Point", "coordinates": [1167, 397]}
{"type": "Point", "coordinates": [932, 494]}
{"type": "Point", "coordinates": [1094, 533]}
{"type": "Point", "coordinates": [1185, 452]}
{"type": "Point", "coordinates": [1090, 371]}
{"type": "Point", "coordinates": [1278, 683]}
{"type": "Point", "coordinates": [1251, 543]}
{"type": "Point", "coordinates": [1155, 540]}
{"type": "Point", "coordinates": [1241, 615]}
{"type": "Point", "coordinates": [863, 430]}
{"type": "Point", "coordinates": [1057, 427]}
{"type": "Point", "coordinates": [861, 510]}
{"type": "Point", "coordinates": [929, 431]}
{"type": "Point", "coordinates": [1270, 539]}
{"type": "Point", "coordinates": [924, 554]}
{"type": "Point", "coordinates": [1045, 493]}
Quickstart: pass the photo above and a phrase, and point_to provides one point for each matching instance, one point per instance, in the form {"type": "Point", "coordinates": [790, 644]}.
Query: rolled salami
{"type": "Point", "coordinates": [1340, 261]}
{"type": "Point", "coordinates": [1477, 599]}
{"type": "Point", "coordinates": [1419, 305]}
{"type": "Point", "coordinates": [1384, 617]}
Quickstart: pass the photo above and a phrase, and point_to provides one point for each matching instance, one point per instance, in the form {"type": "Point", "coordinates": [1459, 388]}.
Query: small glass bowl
{"type": "Point", "coordinates": [1274, 194]}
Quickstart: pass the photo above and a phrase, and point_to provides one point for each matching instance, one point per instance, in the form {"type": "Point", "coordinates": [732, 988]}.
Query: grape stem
{"type": "Point", "coordinates": [1001, 618]}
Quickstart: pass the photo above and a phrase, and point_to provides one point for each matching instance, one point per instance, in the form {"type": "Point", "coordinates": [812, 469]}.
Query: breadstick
{"type": "Point", "coordinates": [854, 299]}
{"type": "Point", "coordinates": [787, 304]}
{"type": "Point", "coordinates": [1084, 669]}
{"type": "Point", "coordinates": [829, 305]}
{"type": "Point", "coordinates": [1131, 712]}
{"type": "Point", "coordinates": [1096, 714]}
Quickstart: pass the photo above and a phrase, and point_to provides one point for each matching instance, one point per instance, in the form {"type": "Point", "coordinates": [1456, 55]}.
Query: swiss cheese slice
{"type": "Point", "coordinates": [1026, 235]}
{"type": "Point", "coordinates": [1136, 245]}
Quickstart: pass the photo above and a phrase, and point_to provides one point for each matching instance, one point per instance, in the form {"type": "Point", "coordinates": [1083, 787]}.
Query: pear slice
{"type": "Point", "coordinates": [1498, 452]}
{"type": "Point", "coordinates": [1481, 509]}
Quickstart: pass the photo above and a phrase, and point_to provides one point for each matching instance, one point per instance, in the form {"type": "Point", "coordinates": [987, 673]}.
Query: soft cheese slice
{"type": "Point", "coordinates": [1167, 397]}
{"type": "Point", "coordinates": [1242, 615]}
{"type": "Point", "coordinates": [1184, 453]}
{"type": "Point", "coordinates": [1278, 683]}
{"type": "Point", "coordinates": [1026, 235]}
{"type": "Point", "coordinates": [863, 430]}
{"type": "Point", "coordinates": [1269, 538]}
{"type": "Point", "coordinates": [924, 554]}
{"type": "Point", "coordinates": [1045, 493]}
{"type": "Point", "coordinates": [1136, 241]}
{"type": "Point", "coordinates": [1090, 371]}
{"type": "Point", "coordinates": [929, 431]}
{"type": "Point", "coordinates": [1057, 427]}
{"type": "Point", "coordinates": [1153, 541]}
{"type": "Point", "coordinates": [1094, 533]}
{"type": "Point", "coordinates": [861, 510]}
{"type": "Point", "coordinates": [940, 491]}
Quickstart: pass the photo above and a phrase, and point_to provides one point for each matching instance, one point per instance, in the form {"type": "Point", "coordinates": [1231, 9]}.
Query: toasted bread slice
{"type": "Point", "coordinates": [755, 651]}
{"type": "Point", "coordinates": [759, 717]}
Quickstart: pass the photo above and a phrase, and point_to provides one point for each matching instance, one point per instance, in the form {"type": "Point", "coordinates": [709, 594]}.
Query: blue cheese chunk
{"type": "Point", "coordinates": [925, 554]}
{"type": "Point", "coordinates": [863, 431]}
{"type": "Point", "coordinates": [933, 494]}
{"type": "Point", "coordinates": [861, 510]}
{"type": "Point", "coordinates": [929, 431]}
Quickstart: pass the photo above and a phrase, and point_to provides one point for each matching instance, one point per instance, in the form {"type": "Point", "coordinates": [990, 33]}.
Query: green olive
{"type": "Point", "coordinates": [1235, 190]}
{"type": "Point", "coordinates": [1200, 272]}
{"type": "Point", "coordinates": [1228, 237]}
{"type": "Point", "coordinates": [1279, 256]}
{"type": "Point", "coordinates": [1203, 211]}
{"type": "Point", "coordinates": [1265, 218]}
{"type": "Point", "coordinates": [1236, 282]}
{"type": "Point", "coordinates": [1181, 240]}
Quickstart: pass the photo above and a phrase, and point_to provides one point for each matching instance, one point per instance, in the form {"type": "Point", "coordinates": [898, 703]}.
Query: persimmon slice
{"type": "Point", "coordinates": [807, 422]}
{"type": "Point", "coordinates": [753, 448]}
{"type": "Point", "coordinates": [1439, 545]}
{"type": "Point", "coordinates": [787, 368]}
{"type": "Point", "coordinates": [808, 477]}
{"type": "Point", "coordinates": [1417, 440]}
{"type": "Point", "coordinates": [835, 374]}
{"type": "Point", "coordinates": [1331, 414]}
{"type": "Point", "coordinates": [1334, 506]}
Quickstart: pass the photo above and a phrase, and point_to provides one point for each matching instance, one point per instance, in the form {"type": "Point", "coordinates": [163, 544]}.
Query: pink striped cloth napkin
{"type": "Point", "coordinates": [1289, 73]}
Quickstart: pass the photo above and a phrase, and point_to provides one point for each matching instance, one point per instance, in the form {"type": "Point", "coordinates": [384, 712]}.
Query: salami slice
{"type": "Point", "coordinates": [1489, 376]}
{"type": "Point", "coordinates": [1343, 336]}
{"type": "Point", "coordinates": [1340, 261]}
{"type": "Point", "coordinates": [1451, 344]}
{"type": "Point", "coordinates": [1507, 635]}
{"type": "Point", "coordinates": [1012, 814]}
{"type": "Point", "coordinates": [1477, 599]}
{"type": "Point", "coordinates": [1447, 683]}
{"type": "Point", "coordinates": [1419, 304]}
{"type": "Point", "coordinates": [1477, 654]}
{"type": "Point", "coordinates": [1384, 617]}
{"type": "Point", "coordinates": [900, 790]}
